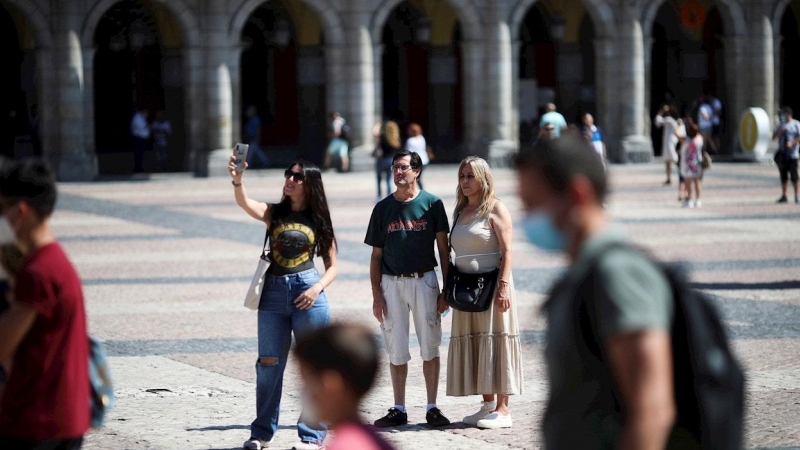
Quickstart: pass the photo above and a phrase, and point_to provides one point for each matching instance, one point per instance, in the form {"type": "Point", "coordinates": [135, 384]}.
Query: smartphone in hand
{"type": "Point", "coordinates": [240, 152]}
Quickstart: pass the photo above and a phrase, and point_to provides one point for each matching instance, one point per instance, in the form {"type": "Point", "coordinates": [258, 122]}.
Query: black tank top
{"type": "Point", "coordinates": [292, 242]}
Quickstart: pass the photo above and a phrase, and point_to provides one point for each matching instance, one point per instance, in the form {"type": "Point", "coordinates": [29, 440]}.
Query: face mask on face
{"type": "Point", "coordinates": [7, 235]}
{"type": "Point", "coordinates": [542, 232]}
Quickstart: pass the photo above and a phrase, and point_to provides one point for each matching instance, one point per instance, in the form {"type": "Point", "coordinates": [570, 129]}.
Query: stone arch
{"type": "Point", "coordinates": [601, 13]}
{"type": "Point", "coordinates": [732, 15]}
{"type": "Point", "coordinates": [466, 12]}
{"type": "Point", "coordinates": [332, 24]}
{"type": "Point", "coordinates": [183, 13]}
{"type": "Point", "coordinates": [778, 10]}
{"type": "Point", "coordinates": [34, 13]}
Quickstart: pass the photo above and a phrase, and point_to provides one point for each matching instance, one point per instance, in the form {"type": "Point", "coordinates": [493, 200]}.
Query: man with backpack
{"type": "Point", "coordinates": [612, 355]}
{"type": "Point", "coordinates": [46, 401]}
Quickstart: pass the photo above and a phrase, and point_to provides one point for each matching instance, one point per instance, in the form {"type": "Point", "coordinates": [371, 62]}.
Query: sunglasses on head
{"type": "Point", "coordinates": [296, 176]}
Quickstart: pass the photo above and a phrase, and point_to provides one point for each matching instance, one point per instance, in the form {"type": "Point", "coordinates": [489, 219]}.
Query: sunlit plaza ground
{"type": "Point", "coordinates": [166, 262]}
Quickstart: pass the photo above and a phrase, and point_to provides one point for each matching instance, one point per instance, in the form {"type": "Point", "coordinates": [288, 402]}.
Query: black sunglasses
{"type": "Point", "coordinates": [296, 176]}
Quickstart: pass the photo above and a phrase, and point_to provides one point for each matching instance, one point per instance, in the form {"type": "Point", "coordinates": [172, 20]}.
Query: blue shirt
{"type": "Point", "coordinates": [555, 119]}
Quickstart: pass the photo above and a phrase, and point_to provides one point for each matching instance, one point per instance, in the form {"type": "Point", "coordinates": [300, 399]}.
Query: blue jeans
{"type": "Point", "coordinates": [383, 167]}
{"type": "Point", "coordinates": [278, 318]}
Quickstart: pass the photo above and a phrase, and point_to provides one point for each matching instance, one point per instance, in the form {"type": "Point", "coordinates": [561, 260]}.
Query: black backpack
{"type": "Point", "coordinates": [709, 381]}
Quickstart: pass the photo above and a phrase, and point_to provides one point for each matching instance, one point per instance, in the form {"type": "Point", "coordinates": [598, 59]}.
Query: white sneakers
{"type": "Point", "coordinates": [486, 409]}
{"type": "Point", "coordinates": [308, 446]}
{"type": "Point", "coordinates": [495, 420]}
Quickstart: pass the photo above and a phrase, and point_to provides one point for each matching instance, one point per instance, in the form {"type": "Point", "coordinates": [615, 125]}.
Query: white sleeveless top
{"type": "Point", "coordinates": [476, 247]}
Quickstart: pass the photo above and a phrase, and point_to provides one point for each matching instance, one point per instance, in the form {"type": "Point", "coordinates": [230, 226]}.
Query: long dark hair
{"type": "Point", "coordinates": [317, 204]}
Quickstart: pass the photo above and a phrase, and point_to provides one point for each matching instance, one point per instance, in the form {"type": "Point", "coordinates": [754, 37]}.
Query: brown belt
{"type": "Point", "coordinates": [419, 274]}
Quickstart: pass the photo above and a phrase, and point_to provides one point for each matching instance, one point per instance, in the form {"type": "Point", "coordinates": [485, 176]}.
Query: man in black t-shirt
{"type": "Point", "coordinates": [402, 232]}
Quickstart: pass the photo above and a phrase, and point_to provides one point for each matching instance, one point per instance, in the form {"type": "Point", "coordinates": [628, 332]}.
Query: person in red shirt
{"type": "Point", "coordinates": [46, 401]}
{"type": "Point", "coordinates": [338, 364]}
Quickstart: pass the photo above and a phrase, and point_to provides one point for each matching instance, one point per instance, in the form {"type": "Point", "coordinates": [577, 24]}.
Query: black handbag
{"type": "Point", "coordinates": [469, 292]}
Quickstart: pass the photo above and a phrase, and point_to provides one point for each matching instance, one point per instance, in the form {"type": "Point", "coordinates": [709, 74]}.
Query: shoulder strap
{"type": "Point", "coordinates": [449, 241]}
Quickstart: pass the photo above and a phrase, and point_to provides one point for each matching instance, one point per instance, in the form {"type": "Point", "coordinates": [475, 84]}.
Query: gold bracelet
{"type": "Point", "coordinates": [235, 184]}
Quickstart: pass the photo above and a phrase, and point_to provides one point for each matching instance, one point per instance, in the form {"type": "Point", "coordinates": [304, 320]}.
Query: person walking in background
{"type": "Point", "coordinates": [140, 135]}
{"type": "Point", "coordinates": [692, 165]}
{"type": "Point", "coordinates": [593, 134]}
{"type": "Point", "coordinates": [339, 364]}
{"type": "Point", "coordinates": [705, 123]}
{"type": "Point", "coordinates": [338, 145]}
{"type": "Point", "coordinates": [788, 153]}
{"type": "Point", "coordinates": [665, 119]}
{"type": "Point", "coordinates": [388, 145]}
{"type": "Point", "coordinates": [252, 136]}
{"type": "Point", "coordinates": [716, 119]}
{"type": "Point", "coordinates": [622, 395]}
{"type": "Point", "coordinates": [554, 118]}
{"type": "Point", "coordinates": [161, 129]}
{"type": "Point", "coordinates": [403, 230]}
{"type": "Point", "coordinates": [484, 353]}
{"type": "Point", "coordinates": [46, 400]}
{"type": "Point", "coordinates": [416, 143]}
{"type": "Point", "coordinates": [293, 300]}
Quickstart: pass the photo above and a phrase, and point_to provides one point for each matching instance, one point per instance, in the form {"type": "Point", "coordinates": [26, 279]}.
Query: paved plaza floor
{"type": "Point", "coordinates": [165, 264]}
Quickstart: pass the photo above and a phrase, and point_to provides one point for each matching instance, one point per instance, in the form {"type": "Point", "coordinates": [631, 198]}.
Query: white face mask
{"type": "Point", "coordinates": [7, 235]}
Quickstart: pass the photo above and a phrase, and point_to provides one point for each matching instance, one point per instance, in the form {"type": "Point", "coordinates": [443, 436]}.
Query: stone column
{"type": "Point", "coordinates": [762, 62]}
{"type": "Point", "coordinates": [359, 83]}
{"type": "Point", "coordinates": [605, 90]}
{"type": "Point", "coordinates": [311, 102]}
{"type": "Point", "coordinates": [75, 161]}
{"type": "Point", "coordinates": [515, 48]}
{"type": "Point", "coordinates": [220, 56]}
{"type": "Point", "coordinates": [634, 145]}
{"type": "Point", "coordinates": [499, 105]}
{"type": "Point", "coordinates": [442, 78]}
{"type": "Point", "coordinates": [738, 83]}
{"type": "Point", "coordinates": [48, 117]}
{"type": "Point", "coordinates": [777, 58]}
{"type": "Point", "coordinates": [473, 103]}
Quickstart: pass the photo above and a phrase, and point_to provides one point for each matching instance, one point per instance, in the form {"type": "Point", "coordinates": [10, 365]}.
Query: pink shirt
{"type": "Point", "coordinates": [353, 436]}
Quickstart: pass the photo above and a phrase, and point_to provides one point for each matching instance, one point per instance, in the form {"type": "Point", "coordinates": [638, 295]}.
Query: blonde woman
{"type": "Point", "coordinates": [484, 353]}
{"type": "Point", "coordinates": [389, 145]}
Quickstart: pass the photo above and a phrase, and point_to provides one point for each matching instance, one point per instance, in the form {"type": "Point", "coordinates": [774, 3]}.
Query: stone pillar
{"type": "Point", "coordinates": [75, 161]}
{"type": "Point", "coordinates": [193, 101]}
{"type": "Point", "coordinates": [569, 73]}
{"type": "Point", "coordinates": [634, 145]}
{"type": "Point", "coordinates": [220, 56]}
{"type": "Point", "coordinates": [762, 61]}
{"type": "Point", "coordinates": [474, 96]}
{"type": "Point", "coordinates": [777, 58]}
{"type": "Point", "coordinates": [515, 125]}
{"type": "Point", "coordinates": [48, 117]}
{"type": "Point", "coordinates": [359, 83]}
{"type": "Point", "coordinates": [500, 103]}
{"type": "Point", "coordinates": [738, 84]}
{"type": "Point", "coordinates": [605, 82]}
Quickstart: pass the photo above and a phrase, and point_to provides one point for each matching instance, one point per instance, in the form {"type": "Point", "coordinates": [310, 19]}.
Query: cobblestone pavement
{"type": "Point", "coordinates": [166, 261]}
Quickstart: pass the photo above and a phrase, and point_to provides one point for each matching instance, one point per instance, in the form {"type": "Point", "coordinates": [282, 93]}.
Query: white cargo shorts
{"type": "Point", "coordinates": [415, 297]}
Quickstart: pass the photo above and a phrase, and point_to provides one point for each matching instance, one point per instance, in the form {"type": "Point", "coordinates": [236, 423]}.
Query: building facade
{"type": "Point", "coordinates": [473, 73]}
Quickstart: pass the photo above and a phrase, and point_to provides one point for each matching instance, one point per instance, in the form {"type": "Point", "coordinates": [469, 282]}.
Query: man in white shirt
{"type": "Point", "coordinates": [705, 121]}
{"type": "Point", "coordinates": [554, 118]}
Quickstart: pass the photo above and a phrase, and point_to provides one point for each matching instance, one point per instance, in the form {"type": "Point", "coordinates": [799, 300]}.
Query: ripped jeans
{"type": "Point", "coordinates": [415, 297]}
{"type": "Point", "coordinates": [278, 318]}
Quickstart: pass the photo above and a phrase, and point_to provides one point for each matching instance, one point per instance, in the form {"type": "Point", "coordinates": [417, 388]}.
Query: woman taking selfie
{"type": "Point", "coordinates": [293, 300]}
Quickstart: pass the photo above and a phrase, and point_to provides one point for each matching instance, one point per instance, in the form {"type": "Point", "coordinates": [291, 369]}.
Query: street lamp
{"type": "Point", "coordinates": [558, 27]}
{"type": "Point", "coordinates": [422, 30]}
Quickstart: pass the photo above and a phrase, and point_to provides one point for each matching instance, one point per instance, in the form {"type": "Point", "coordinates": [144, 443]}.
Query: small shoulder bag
{"type": "Point", "coordinates": [468, 292]}
{"type": "Point", "coordinates": [253, 297]}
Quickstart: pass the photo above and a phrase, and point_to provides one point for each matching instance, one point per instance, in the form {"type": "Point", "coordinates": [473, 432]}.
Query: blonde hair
{"type": "Point", "coordinates": [391, 131]}
{"type": "Point", "coordinates": [483, 175]}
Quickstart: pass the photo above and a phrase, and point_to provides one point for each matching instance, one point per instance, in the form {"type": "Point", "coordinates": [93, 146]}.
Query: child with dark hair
{"type": "Point", "coordinates": [339, 364]}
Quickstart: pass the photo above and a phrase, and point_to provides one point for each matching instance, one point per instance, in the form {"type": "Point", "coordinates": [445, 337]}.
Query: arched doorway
{"type": "Point", "coordinates": [138, 64]}
{"type": "Point", "coordinates": [556, 64]}
{"type": "Point", "coordinates": [283, 78]}
{"type": "Point", "coordinates": [422, 73]}
{"type": "Point", "coordinates": [18, 128]}
{"type": "Point", "coordinates": [790, 65]}
{"type": "Point", "coordinates": [687, 62]}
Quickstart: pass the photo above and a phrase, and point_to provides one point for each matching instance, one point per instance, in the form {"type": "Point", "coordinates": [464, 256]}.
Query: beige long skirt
{"type": "Point", "coordinates": [484, 353]}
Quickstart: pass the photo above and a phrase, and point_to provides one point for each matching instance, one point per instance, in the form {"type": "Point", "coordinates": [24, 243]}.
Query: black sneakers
{"type": "Point", "coordinates": [435, 418]}
{"type": "Point", "coordinates": [395, 418]}
{"type": "Point", "coordinates": [783, 199]}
